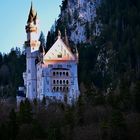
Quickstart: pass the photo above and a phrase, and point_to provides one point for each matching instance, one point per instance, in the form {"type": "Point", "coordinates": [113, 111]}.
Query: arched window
{"type": "Point", "coordinates": [60, 81]}
{"type": "Point", "coordinates": [53, 73]}
{"type": "Point", "coordinates": [64, 73]}
{"type": "Point", "coordinates": [60, 88]}
{"type": "Point", "coordinates": [60, 73]}
{"type": "Point", "coordinates": [57, 73]}
{"type": "Point", "coordinates": [63, 81]}
{"type": "Point", "coordinates": [67, 89]}
{"type": "Point", "coordinates": [67, 82]}
{"type": "Point", "coordinates": [53, 81]}
{"type": "Point", "coordinates": [57, 81]}
{"type": "Point", "coordinates": [57, 89]}
{"type": "Point", "coordinates": [67, 74]}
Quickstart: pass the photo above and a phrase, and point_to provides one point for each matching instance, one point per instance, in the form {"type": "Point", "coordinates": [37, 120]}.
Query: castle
{"type": "Point", "coordinates": [51, 74]}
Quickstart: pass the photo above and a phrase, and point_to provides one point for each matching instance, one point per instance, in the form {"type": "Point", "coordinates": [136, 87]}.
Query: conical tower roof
{"type": "Point", "coordinates": [32, 15]}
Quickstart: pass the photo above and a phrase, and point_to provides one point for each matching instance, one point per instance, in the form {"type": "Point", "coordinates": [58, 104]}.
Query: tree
{"type": "Point", "coordinates": [25, 112]}
{"type": "Point", "coordinates": [42, 39]}
{"type": "Point", "coordinates": [137, 96]}
{"type": "Point", "coordinates": [13, 125]}
{"type": "Point", "coordinates": [118, 125]}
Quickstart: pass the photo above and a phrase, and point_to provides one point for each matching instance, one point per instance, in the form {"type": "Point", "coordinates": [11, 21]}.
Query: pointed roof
{"type": "Point", "coordinates": [59, 34]}
{"type": "Point", "coordinates": [32, 15]}
{"type": "Point", "coordinates": [59, 51]}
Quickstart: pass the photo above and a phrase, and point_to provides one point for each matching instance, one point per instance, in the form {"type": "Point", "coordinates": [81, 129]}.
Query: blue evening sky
{"type": "Point", "coordinates": [13, 17]}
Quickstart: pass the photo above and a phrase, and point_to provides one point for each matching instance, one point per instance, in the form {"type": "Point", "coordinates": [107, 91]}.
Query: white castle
{"type": "Point", "coordinates": [51, 74]}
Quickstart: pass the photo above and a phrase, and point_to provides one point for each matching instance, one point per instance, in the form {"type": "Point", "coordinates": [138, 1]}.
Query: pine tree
{"type": "Point", "coordinates": [25, 112]}
{"type": "Point", "coordinates": [13, 125]}
{"type": "Point", "coordinates": [42, 39]}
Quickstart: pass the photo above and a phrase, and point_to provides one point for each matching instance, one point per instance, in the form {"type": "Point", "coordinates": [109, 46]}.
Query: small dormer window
{"type": "Point", "coordinates": [59, 55]}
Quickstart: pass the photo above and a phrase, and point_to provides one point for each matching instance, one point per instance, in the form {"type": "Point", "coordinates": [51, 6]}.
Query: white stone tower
{"type": "Point", "coordinates": [31, 47]}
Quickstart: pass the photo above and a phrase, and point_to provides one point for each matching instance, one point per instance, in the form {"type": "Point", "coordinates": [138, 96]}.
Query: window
{"type": "Point", "coordinates": [63, 73]}
{"type": "Point", "coordinates": [67, 82]}
{"type": "Point", "coordinates": [53, 81]}
{"type": "Point", "coordinates": [59, 55]}
{"type": "Point", "coordinates": [60, 73]}
{"type": "Point", "coordinates": [67, 74]}
{"type": "Point", "coordinates": [53, 73]}
{"type": "Point", "coordinates": [63, 88]}
{"type": "Point", "coordinates": [57, 89]}
{"type": "Point", "coordinates": [60, 81]}
{"type": "Point", "coordinates": [57, 81]}
{"type": "Point", "coordinates": [63, 81]}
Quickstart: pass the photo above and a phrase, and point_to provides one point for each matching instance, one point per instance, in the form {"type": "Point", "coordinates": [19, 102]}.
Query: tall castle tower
{"type": "Point", "coordinates": [31, 47]}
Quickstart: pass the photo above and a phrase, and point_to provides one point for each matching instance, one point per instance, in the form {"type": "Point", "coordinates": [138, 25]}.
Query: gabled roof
{"type": "Point", "coordinates": [59, 51]}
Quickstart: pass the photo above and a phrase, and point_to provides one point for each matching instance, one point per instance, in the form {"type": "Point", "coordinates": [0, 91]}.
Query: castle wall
{"type": "Point", "coordinates": [59, 81]}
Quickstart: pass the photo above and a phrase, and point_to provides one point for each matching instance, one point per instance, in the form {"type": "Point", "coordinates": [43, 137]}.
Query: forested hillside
{"type": "Point", "coordinates": [112, 54]}
{"type": "Point", "coordinates": [12, 66]}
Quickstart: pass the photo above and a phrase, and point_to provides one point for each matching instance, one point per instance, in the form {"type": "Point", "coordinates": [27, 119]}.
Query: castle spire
{"type": "Point", "coordinates": [59, 34]}
{"type": "Point", "coordinates": [32, 15]}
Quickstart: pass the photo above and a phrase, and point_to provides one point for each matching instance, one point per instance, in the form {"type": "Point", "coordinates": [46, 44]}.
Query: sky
{"type": "Point", "coordinates": [13, 18]}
